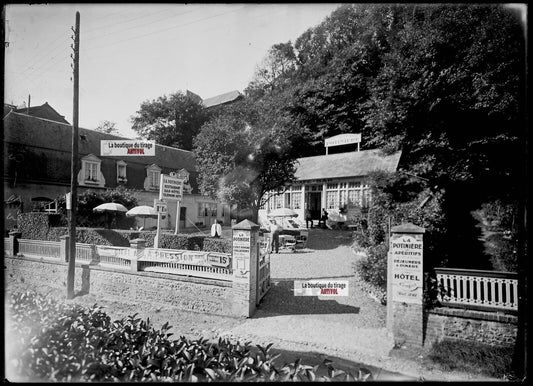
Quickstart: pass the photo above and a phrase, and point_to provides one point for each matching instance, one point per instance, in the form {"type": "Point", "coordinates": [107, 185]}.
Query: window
{"type": "Point", "coordinates": [206, 209]}
{"type": "Point", "coordinates": [91, 171]}
{"type": "Point", "coordinates": [332, 199]}
{"type": "Point", "coordinates": [153, 175]}
{"type": "Point", "coordinates": [121, 171]}
{"type": "Point", "coordinates": [287, 200]}
{"type": "Point", "coordinates": [296, 200]}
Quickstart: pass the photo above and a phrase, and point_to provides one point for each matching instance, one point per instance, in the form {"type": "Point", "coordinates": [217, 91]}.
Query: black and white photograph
{"type": "Point", "coordinates": [265, 192]}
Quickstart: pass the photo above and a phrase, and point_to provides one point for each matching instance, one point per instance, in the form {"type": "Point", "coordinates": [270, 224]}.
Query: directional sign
{"type": "Point", "coordinates": [171, 188]}
{"type": "Point", "coordinates": [160, 206]}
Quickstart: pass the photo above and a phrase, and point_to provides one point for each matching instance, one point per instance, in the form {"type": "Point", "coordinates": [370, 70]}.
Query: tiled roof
{"type": "Point", "coordinates": [40, 150]}
{"type": "Point", "coordinates": [223, 98]}
{"type": "Point", "coordinates": [340, 165]}
{"type": "Point", "coordinates": [44, 111]}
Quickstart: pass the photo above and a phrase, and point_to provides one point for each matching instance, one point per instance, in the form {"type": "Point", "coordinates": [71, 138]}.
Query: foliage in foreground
{"type": "Point", "coordinates": [53, 341]}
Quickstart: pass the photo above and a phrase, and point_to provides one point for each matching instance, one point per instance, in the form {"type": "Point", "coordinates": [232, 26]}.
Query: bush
{"type": "Point", "coordinates": [62, 343]}
{"type": "Point", "coordinates": [472, 357]}
{"type": "Point", "coordinates": [218, 245]}
{"type": "Point", "coordinates": [33, 225]}
{"type": "Point", "coordinates": [373, 267]}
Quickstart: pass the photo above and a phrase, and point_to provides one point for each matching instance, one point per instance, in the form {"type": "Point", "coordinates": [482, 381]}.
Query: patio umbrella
{"type": "Point", "coordinates": [142, 211]}
{"type": "Point", "coordinates": [282, 212]}
{"type": "Point", "coordinates": [110, 207]}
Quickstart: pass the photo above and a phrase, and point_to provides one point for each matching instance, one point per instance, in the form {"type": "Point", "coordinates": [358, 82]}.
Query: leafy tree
{"type": "Point", "coordinates": [244, 153]}
{"type": "Point", "coordinates": [172, 120]}
{"type": "Point", "coordinates": [107, 127]}
{"type": "Point", "coordinates": [274, 71]}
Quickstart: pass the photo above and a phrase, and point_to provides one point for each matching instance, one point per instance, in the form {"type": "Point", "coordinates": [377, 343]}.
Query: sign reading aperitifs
{"type": "Point", "coordinates": [134, 147]}
{"type": "Point", "coordinates": [407, 274]}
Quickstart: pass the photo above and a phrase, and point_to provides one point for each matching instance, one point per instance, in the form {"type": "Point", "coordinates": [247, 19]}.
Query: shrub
{"type": "Point", "coordinates": [472, 357]}
{"type": "Point", "coordinates": [373, 267]}
{"type": "Point", "coordinates": [58, 342]}
{"type": "Point", "coordinates": [33, 225]}
{"type": "Point", "coordinates": [217, 245]}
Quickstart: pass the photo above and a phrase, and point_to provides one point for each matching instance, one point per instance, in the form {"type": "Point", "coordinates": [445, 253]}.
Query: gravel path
{"type": "Point", "coordinates": [351, 327]}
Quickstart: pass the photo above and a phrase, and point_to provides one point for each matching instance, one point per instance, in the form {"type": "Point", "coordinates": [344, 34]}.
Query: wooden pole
{"type": "Point", "coordinates": [74, 165]}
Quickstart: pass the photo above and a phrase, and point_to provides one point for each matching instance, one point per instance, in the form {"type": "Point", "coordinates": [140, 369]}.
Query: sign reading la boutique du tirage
{"type": "Point", "coordinates": [407, 274]}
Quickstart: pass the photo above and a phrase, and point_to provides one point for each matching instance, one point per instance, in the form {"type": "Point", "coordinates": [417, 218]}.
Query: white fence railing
{"type": "Point", "coordinates": [40, 248]}
{"type": "Point", "coordinates": [210, 265]}
{"type": "Point", "coordinates": [116, 257]}
{"type": "Point", "coordinates": [84, 252]}
{"type": "Point", "coordinates": [478, 289]}
{"type": "Point", "coordinates": [263, 274]}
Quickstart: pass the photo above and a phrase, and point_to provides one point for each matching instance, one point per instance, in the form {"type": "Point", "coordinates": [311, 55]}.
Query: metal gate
{"type": "Point", "coordinates": [263, 269]}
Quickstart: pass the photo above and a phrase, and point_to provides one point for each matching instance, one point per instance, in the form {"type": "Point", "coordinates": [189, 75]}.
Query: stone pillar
{"type": "Point", "coordinates": [245, 261]}
{"type": "Point", "coordinates": [64, 250]}
{"type": "Point", "coordinates": [13, 238]}
{"type": "Point", "coordinates": [137, 246]}
{"type": "Point", "coordinates": [405, 284]}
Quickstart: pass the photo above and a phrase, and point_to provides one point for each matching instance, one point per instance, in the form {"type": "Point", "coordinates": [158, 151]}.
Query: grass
{"type": "Point", "coordinates": [472, 357]}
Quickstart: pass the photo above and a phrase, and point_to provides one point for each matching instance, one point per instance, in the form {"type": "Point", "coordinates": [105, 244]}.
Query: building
{"type": "Point", "coordinates": [332, 181]}
{"type": "Point", "coordinates": [44, 111]}
{"type": "Point", "coordinates": [37, 164]}
{"type": "Point", "coordinates": [223, 99]}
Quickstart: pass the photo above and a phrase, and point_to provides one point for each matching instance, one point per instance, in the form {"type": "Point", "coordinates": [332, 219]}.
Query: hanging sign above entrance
{"type": "Point", "coordinates": [342, 139]}
{"type": "Point", "coordinates": [127, 147]}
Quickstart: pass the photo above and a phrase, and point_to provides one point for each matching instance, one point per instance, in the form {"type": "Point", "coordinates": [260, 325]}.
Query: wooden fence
{"type": "Point", "coordinates": [490, 290]}
{"type": "Point", "coordinates": [40, 248]}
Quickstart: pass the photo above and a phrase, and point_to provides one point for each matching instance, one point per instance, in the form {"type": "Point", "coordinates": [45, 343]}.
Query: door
{"type": "Point", "coordinates": [314, 201]}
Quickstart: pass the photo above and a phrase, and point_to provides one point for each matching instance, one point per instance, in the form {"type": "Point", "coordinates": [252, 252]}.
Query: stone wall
{"type": "Point", "coordinates": [190, 294]}
{"type": "Point", "coordinates": [496, 329]}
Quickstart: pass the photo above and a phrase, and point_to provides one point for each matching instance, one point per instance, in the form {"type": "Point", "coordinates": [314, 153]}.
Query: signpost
{"type": "Point", "coordinates": [170, 189]}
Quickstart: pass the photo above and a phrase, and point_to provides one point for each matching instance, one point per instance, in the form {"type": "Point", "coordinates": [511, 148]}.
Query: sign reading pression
{"type": "Point", "coordinates": [407, 276]}
{"type": "Point", "coordinates": [127, 147]}
{"type": "Point", "coordinates": [171, 188]}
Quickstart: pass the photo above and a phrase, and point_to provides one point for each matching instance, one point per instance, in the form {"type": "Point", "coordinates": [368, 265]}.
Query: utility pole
{"type": "Point", "coordinates": [74, 164]}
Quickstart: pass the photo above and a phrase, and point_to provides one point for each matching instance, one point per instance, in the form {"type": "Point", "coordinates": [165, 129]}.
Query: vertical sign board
{"type": "Point", "coordinates": [171, 189]}
{"type": "Point", "coordinates": [407, 275]}
{"type": "Point", "coordinates": [242, 244]}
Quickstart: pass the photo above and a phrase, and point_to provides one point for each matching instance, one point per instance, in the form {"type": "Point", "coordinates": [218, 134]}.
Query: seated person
{"type": "Point", "coordinates": [323, 218]}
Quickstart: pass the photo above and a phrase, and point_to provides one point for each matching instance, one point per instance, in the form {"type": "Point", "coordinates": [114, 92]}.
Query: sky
{"type": "Point", "coordinates": [131, 53]}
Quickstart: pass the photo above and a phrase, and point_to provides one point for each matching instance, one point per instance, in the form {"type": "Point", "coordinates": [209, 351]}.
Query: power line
{"type": "Point", "coordinates": [162, 30]}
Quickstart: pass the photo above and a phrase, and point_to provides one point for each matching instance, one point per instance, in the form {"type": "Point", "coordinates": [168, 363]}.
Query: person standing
{"type": "Point", "coordinates": [275, 229]}
{"type": "Point", "coordinates": [308, 218]}
{"type": "Point", "coordinates": [323, 218]}
{"type": "Point", "coordinates": [216, 229]}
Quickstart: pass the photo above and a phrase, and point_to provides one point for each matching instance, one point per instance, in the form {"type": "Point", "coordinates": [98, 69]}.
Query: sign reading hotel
{"type": "Point", "coordinates": [342, 139]}
{"type": "Point", "coordinates": [127, 147]}
{"type": "Point", "coordinates": [171, 188]}
{"type": "Point", "coordinates": [407, 275]}
{"type": "Point", "coordinates": [241, 255]}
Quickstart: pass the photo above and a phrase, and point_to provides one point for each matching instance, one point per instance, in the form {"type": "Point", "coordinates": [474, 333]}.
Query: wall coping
{"type": "Point", "coordinates": [473, 314]}
{"type": "Point", "coordinates": [407, 228]}
{"type": "Point", "coordinates": [245, 225]}
{"type": "Point", "coordinates": [161, 275]}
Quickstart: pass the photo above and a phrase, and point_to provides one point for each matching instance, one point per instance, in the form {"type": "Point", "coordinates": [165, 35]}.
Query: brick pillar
{"type": "Point", "coordinates": [405, 284]}
{"type": "Point", "coordinates": [137, 246]}
{"type": "Point", "coordinates": [64, 250]}
{"type": "Point", "coordinates": [245, 261]}
{"type": "Point", "coordinates": [13, 238]}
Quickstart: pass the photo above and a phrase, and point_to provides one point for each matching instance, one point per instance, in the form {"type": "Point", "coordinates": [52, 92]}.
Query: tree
{"type": "Point", "coordinates": [244, 153]}
{"type": "Point", "coordinates": [170, 120]}
{"type": "Point", "coordinates": [107, 127]}
{"type": "Point", "coordinates": [274, 70]}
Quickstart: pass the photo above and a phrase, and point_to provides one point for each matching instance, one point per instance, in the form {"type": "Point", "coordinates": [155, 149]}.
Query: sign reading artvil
{"type": "Point", "coordinates": [127, 147]}
{"type": "Point", "coordinates": [407, 275]}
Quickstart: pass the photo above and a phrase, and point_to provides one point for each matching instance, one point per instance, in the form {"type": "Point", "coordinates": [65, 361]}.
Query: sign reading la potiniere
{"type": "Point", "coordinates": [407, 275]}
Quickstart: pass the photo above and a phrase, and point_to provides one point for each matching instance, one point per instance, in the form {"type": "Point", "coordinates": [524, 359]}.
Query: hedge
{"type": "Point", "coordinates": [58, 342]}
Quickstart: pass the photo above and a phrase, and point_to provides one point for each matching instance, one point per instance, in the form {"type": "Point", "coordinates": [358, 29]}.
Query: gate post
{"type": "Point", "coordinates": [244, 264]}
{"type": "Point", "coordinates": [14, 237]}
{"type": "Point", "coordinates": [405, 284]}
